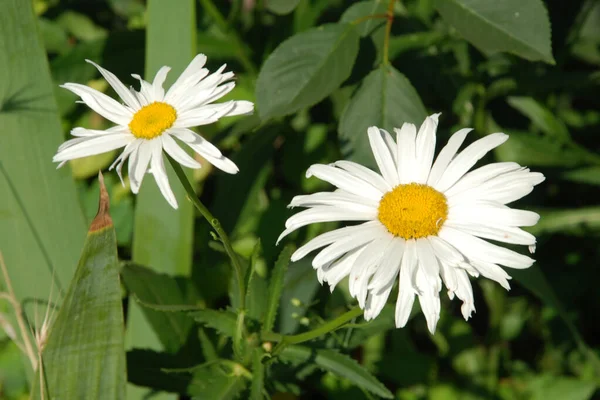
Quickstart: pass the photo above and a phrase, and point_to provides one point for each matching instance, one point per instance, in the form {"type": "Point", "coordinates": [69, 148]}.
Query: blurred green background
{"type": "Point", "coordinates": [541, 340]}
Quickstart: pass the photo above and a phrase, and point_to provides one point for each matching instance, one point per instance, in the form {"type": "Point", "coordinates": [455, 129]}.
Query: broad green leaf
{"type": "Point", "coordinates": [385, 99]}
{"type": "Point", "coordinates": [513, 26]}
{"type": "Point", "coordinates": [548, 387]}
{"type": "Point", "coordinates": [362, 9]}
{"type": "Point", "coordinates": [276, 287]}
{"type": "Point", "coordinates": [305, 69]}
{"type": "Point", "coordinates": [338, 364]}
{"type": "Point", "coordinates": [223, 321]}
{"type": "Point", "coordinates": [162, 290]}
{"type": "Point", "coordinates": [540, 116]}
{"type": "Point", "coordinates": [214, 384]}
{"type": "Point", "coordinates": [163, 236]}
{"type": "Point", "coordinates": [41, 223]}
{"type": "Point", "coordinates": [258, 376]}
{"type": "Point", "coordinates": [281, 7]}
{"type": "Point", "coordinates": [84, 357]}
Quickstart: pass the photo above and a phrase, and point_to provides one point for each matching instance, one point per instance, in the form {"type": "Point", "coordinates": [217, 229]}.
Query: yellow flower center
{"type": "Point", "coordinates": [413, 211]}
{"type": "Point", "coordinates": [152, 120]}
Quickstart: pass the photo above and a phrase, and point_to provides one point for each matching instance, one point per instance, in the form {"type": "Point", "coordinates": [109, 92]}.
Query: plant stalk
{"type": "Point", "coordinates": [388, 30]}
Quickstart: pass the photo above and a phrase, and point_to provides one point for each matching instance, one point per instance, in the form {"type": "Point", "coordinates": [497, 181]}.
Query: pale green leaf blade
{"type": "Point", "coordinates": [513, 26]}
{"type": "Point", "coordinates": [305, 69]}
{"type": "Point", "coordinates": [84, 357]}
{"type": "Point", "coordinates": [276, 287]}
{"type": "Point", "coordinates": [41, 223]}
{"type": "Point", "coordinates": [540, 116]}
{"type": "Point", "coordinates": [385, 99]}
{"type": "Point", "coordinates": [163, 237]}
{"type": "Point", "coordinates": [338, 364]}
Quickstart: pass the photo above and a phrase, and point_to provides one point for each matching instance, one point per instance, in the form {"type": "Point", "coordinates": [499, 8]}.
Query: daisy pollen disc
{"type": "Point", "coordinates": [152, 120]}
{"type": "Point", "coordinates": [413, 211]}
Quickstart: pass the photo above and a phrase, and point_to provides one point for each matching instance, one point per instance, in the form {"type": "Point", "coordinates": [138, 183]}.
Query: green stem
{"type": "Point", "coordinates": [312, 334]}
{"type": "Point", "coordinates": [235, 262]}
{"type": "Point", "coordinates": [367, 18]}
{"type": "Point", "coordinates": [388, 30]}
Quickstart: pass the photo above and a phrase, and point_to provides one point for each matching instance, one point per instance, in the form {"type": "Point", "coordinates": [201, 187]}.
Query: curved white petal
{"type": "Point", "coordinates": [344, 180]}
{"type": "Point", "coordinates": [118, 86]}
{"type": "Point", "coordinates": [384, 158]}
{"type": "Point", "coordinates": [101, 103]}
{"type": "Point", "coordinates": [160, 173]}
{"type": "Point", "coordinates": [446, 155]}
{"type": "Point", "coordinates": [364, 173]}
{"type": "Point", "coordinates": [406, 140]}
{"type": "Point", "coordinates": [406, 291]}
{"type": "Point", "coordinates": [138, 165]}
{"type": "Point", "coordinates": [177, 153]}
{"type": "Point", "coordinates": [157, 83]}
{"type": "Point", "coordinates": [425, 147]}
{"type": "Point", "coordinates": [339, 198]}
{"type": "Point", "coordinates": [88, 146]}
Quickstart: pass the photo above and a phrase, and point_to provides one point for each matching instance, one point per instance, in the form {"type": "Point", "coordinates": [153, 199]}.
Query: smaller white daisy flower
{"type": "Point", "coordinates": [425, 223]}
{"type": "Point", "coordinates": [150, 120]}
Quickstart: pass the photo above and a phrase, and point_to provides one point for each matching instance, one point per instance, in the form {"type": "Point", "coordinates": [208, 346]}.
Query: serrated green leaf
{"type": "Point", "coordinates": [223, 321]}
{"type": "Point", "coordinates": [305, 69]}
{"type": "Point", "coordinates": [276, 287]}
{"type": "Point", "coordinates": [84, 357]}
{"type": "Point", "coordinates": [281, 7]}
{"type": "Point", "coordinates": [215, 384]}
{"type": "Point", "coordinates": [157, 289]}
{"type": "Point", "coordinates": [513, 26]}
{"type": "Point", "coordinates": [385, 99]}
{"type": "Point", "coordinates": [338, 364]}
{"type": "Point", "coordinates": [256, 287]}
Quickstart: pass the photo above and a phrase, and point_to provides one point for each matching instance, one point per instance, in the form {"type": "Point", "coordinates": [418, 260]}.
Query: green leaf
{"type": "Point", "coordinates": [84, 357]}
{"type": "Point", "coordinates": [338, 364]}
{"type": "Point", "coordinates": [258, 376]}
{"type": "Point", "coordinates": [299, 289]}
{"type": "Point", "coordinates": [42, 225]}
{"type": "Point", "coordinates": [513, 26]}
{"type": "Point", "coordinates": [576, 221]}
{"type": "Point", "coordinates": [364, 9]}
{"type": "Point", "coordinates": [223, 321]}
{"type": "Point", "coordinates": [256, 287]}
{"type": "Point", "coordinates": [161, 290]}
{"type": "Point", "coordinates": [305, 69]}
{"type": "Point", "coordinates": [549, 387]}
{"type": "Point", "coordinates": [281, 7]}
{"type": "Point", "coordinates": [385, 99]}
{"type": "Point", "coordinates": [540, 116]}
{"type": "Point", "coordinates": [384, 322]}
{"type": "Point", "coordinates": [163, 237]}
{"type": "Point", "coordinates": [276, 287]}
{"type": "Point", "coordinates": [215, 384]}
{"type": "Point", "coordinates": [589, 175]}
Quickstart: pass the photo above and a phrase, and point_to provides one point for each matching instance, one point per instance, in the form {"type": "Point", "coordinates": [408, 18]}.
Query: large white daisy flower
{"type": "Point", "coordinates": [426, 221]}
{"type": "Point", "coordinates": [150, 120]}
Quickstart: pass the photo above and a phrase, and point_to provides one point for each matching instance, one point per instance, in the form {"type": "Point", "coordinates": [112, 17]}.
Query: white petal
{"type": "Point", "coordinates": [390, 265]}
{"type": "Point", "coordinates": [425, 147]}
{"type": "Point", "coordinates": [339, 198]}
{"type": "Point", "coordinates": [356, 239]}
{"type": "Point", "coordinates": [465, 293]}
{"type": "Point", "coordinates": [406, 139]}
{"type": "Point", "coordinates": [138, 165]}
{"type": "Point", "coordinates": [83, 132]}
{"type": "Point", "coordinates": [376, 301]}
{"type": "Point", "coordinates": [160, 173]}
{"type": "Point", "coordinates": [506, 234]}
{"type": "Point", "coordinates": [322, 214]}
{"type": "Point", "coordinates": [429, 300]}
{"type": "Point", "coordinates": [491, 214]}
{"type": "Point", "coordinates": [478, 176]}
{"type": "Point", "coordinates": [406, 293]}
{"type": "Point", "coordinates": [203, 115]}
{"type": "Point", "coordinates": [118, 86]}
{"type": "Point", "coordinates": [446, 155]}
{"type": "Point", "coordinates": [383, 157]}
{"type": "Point", "coordinates": [87, 146]}
{"type": "Point", "coordinates": [493, 272]}
{"type": "Point", "coordinates": [157, 84]}
{"type": "Point", "coordinates": [428, 263]}
{"type": "Point", "coordinates": [223, 163]}
{"type": "Point", "coordinates": [129, 149]}
{"type": "Point", "coordinates": [480, 250]}
{"type": "Point", "coordinates": [467, 158]}
{"type": "Point", "coordinates": [101, 103]}
{"type": "Point", "coordinates": [338, 270]}
{"type": "Point", "coordinates": [327, 238]}
{"type": "Point", "coordinates": [365, 266]}
{"type": "Point", "coordinates": [365, 174]}
{"type": "Point", "coordinates": [190, 76]}
{"type": "Point", "coordinates": [344, 180]}
{"type": "Point", "coordinates": [195, 141]}
{"type": "Point", "coordinates": [177, 153]}
{"type": "Point", "coordinates": [146, 93]}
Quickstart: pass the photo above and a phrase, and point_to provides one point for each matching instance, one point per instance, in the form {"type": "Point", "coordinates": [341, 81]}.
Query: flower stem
{"type": "Point", "coordinates": [235, 262]}
{"type": "Point", "coordinates": [388, 30]}
{"type": "Point", "coordinates": [328, 327]}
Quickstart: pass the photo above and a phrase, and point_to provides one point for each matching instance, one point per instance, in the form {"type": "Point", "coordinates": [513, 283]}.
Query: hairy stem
{"type": "Point", "coordinates": [388, 30]}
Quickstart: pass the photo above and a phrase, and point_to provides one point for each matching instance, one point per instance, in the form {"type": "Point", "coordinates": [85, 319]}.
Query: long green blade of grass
{"type": "Point", "coordinates": [84, 354]}
{"type": "Point", "coordinates": [41, 223]}
{"type": "Point", "coordinates": [162, 235]}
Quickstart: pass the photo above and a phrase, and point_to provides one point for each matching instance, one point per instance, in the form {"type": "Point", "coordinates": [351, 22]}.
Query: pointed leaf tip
{"type": "Point", "coordinates": [102, 219]}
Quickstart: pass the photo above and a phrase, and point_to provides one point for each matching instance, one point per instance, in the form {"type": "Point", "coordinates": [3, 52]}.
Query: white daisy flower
{"type": "Point", "coordinates": [426, 221]}
{"type": "Point", "coordinates": [150, 120]}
